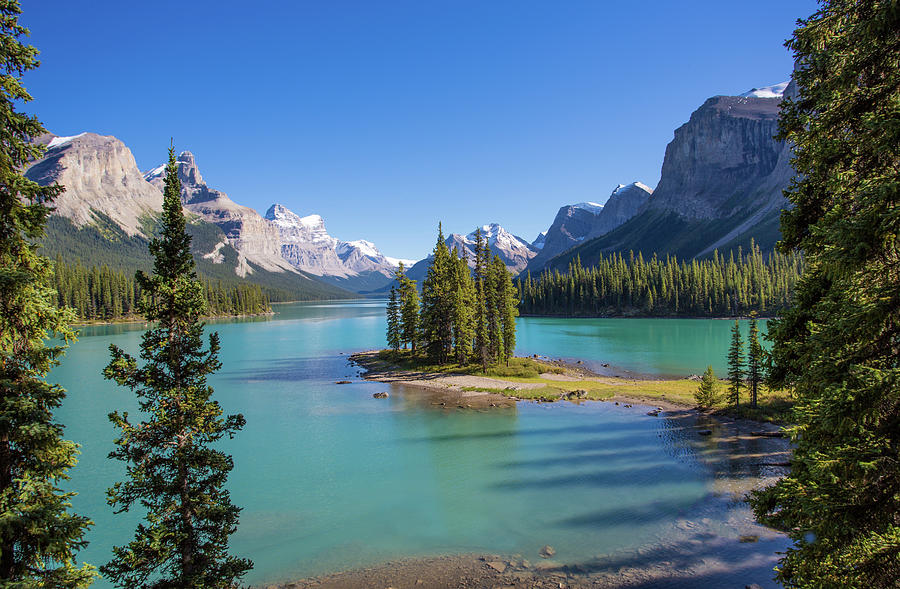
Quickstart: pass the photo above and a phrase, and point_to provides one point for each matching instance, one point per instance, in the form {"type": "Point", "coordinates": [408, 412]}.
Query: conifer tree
{"type": "Point", "coordinates": [409, 310]}
{"type": "Point", "coordinates": [463, 309]}
{"type": "Point", "coordinates": [838, 347]}
{"type": "Point", "coordinates": [708, 394]}
{"type": "Point", "coordinates": [735, 365]}
{"type": "Point", "coordinates": [172, 468]}
{"type": "Point", "coordinates": [38, 534]}
{"type": "Point", "coordinates": [436, 314]}
{"type": "Point", "coordinates": [393, 320]}
{"type": "Point", "coordinates": [481, 335]}
{"type": "Point", "coordinates": [508, 298]}
{"type": "Point", "coordinates": [496, 272]}
{"type": "Point", "coordinates": [755, 359]}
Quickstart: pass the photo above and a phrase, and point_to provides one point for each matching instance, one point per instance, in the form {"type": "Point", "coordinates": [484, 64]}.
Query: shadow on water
{"type": "Point", "coordinates": [698, 560]}
{"type": "Point", "coordinates": [617, 514]}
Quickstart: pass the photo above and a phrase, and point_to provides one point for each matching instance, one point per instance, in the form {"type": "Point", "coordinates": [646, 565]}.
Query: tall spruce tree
{"type": "Point", "coordinates": [496, 272]}
{"type": "Point", "coordinates": [838, 347]}
{"type": "Point", "coordinates": [508, 300]}
{"type": "Point", "coordinates": [437, 303]}
{"type": "Point", "coordinates": [736, 368]}
{"type": "Point", "coordinates": [463, 308]}
{"type": "Point", "coordinates": [755, 360]}
{"type": "Point", "coordinates": [38, 534]}
{"type": "Point", "coordinates": [393, 320]}
{"type": "Point", "coordinates": [409, 310]}
{"type": "Point", "coordinates": [481, 267]}
{"type": "Point", "coordinates": [174, 473]}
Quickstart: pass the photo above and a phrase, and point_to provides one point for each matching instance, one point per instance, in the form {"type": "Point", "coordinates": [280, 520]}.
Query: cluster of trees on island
{"type": "Point", "coordinates": [464, 315]}
{"type": "Point", "coordinates": [719, 286]}
{"type": "Point", "coordinates": [105, 294]}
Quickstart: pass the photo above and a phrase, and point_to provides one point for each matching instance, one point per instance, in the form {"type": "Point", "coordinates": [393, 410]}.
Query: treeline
{"type": "Point", "coordinates": [619, 285]}
{"type": "Point", "coordinates": [463, 316]}
{"type": "Point", "coordinates": [102, 293]}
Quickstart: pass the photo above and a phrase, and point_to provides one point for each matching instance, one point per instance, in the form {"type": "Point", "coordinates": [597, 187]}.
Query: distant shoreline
{"type": "Point", "coordinates": [566, 316]}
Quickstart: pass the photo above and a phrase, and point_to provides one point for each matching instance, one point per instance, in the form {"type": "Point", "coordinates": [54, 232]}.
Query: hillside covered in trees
{"type": "Point", "coordinates": [720, 286]}
{"type": "Point", "coordinates": [105, 294]}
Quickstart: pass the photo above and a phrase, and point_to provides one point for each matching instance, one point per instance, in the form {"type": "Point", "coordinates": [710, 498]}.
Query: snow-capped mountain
{"type": "Point", "coordinates": [306, 244]}
{"type": "Point", "coordinates": [512, 249]}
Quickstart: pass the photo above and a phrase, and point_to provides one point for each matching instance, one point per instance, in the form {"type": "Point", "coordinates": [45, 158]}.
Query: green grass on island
{"type": "Point", "coordinates": [772, 406]}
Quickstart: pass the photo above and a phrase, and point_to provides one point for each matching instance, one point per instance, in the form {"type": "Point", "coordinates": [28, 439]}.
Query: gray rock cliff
{"type": "Point", "coordinates": [100, 176]}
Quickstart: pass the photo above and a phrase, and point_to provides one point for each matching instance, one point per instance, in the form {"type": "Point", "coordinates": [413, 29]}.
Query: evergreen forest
{"type": "Point", "coordinates": [628, 285]}
{"type": "Point", "coordinates": [104, 294]}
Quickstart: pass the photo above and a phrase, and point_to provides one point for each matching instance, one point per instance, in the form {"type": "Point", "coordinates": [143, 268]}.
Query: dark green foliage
{"type": "Point", "coordinates": [838, 347]}
{"type": "Point", "coordinates": [38, 534]}
{"type": "Point", "coordinates": [393, 320]}
{"type": "Point", "coordinates": [463, 288]}
{"type": "Point", "coordinates": [755, 361]}
{"type": "Point", "coordinates": [708, 393]}
{"type": "Point", "coordinates": [438, 296]}
{"type": "Point", "coordinates": [719, 286]}
{"type": "Point", "coordinates": [736, 366]}
{"type": "Point", "coordinates": [409, 310]}
{"type": "Point", "coordinates": [462, 317]}
{"type": "Point", "coordinates": [173, 471]}
{"type": "Point", "coordinates": [481, 266]}
{"type": "Point", "coordinates": [105, 294]}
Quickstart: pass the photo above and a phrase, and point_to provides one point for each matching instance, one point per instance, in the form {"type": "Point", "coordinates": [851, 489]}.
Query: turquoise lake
{"type": "Point", "coordinates": [330, 478]}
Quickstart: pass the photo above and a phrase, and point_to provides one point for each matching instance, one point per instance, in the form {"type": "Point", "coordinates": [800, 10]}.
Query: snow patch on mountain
{"type": "Point", "coordinates": [590, 207]}
{"type": "Point", "coordinates": [539, 241]}
{"type": "Point", "coordinates": [58, 141]}
{"type": "Point", "coordinates": [773, 91]}
{"type": "Point", "coordinates": [156, 172]}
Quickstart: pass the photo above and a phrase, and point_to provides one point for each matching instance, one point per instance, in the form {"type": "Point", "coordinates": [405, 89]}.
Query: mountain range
{"type": "Point", "coordinates": [720, 186]}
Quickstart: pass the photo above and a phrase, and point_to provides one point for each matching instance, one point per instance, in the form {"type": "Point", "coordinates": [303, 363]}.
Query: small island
{"type": "Point", "coordinates": [545, 380]}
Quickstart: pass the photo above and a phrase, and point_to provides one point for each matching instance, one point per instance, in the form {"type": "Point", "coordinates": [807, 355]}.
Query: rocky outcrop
{"type": "Point", "coordinates": [575, 223]}
{"type": "Point", "coordinates": [255, 239]}
{"type": "Point", "coordinates": [719, 160]}
{"type": "Point", "coordinates": [623, 204]}
{"type": "Point", "coordinates": [100, 176]}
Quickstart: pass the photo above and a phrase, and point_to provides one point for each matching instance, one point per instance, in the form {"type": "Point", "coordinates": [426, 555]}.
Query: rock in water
{"type": "Point", "coordinates": [381, 395]}
{"type": "Point", "coordinates": [547, 551]}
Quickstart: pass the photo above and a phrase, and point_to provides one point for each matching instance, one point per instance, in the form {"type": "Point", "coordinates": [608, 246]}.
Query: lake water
{"type": "Point", "coordinates": [330, 478]}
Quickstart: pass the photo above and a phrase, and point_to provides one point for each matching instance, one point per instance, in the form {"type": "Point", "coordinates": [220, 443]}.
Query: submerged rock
{"type": "Point", "coordinates": [381, 395]}
{"type": "Point", "coordinates": [547, 551]}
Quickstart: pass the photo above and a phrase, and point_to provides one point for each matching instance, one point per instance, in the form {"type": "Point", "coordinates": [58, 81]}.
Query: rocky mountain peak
{"type": "Point", "coordinates": [307, 245]}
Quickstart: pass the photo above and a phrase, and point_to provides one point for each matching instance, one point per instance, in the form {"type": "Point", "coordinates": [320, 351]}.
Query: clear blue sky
{"type": "Point", "coordinates": [387, 116]}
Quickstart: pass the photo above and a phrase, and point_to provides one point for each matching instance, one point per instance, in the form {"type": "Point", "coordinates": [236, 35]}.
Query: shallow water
{"type": "Point", "coordinates": [330, 478]}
